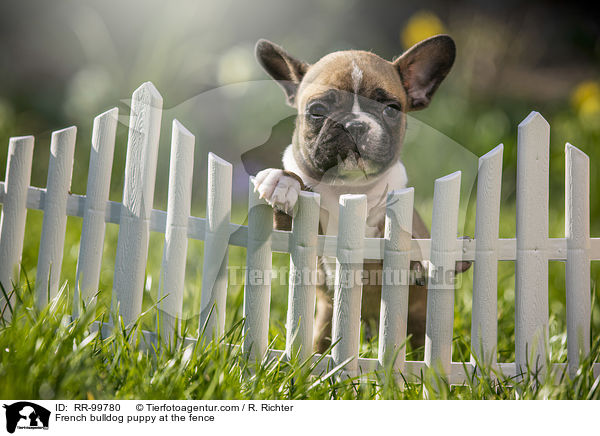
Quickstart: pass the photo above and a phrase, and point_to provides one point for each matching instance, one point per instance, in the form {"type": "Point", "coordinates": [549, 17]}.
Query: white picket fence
{"type": "Point", "coordinates": [531, 249]}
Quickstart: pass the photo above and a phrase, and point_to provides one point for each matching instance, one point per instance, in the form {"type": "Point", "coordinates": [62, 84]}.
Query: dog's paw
{"type": "Point", "coordinates": [278, 189]}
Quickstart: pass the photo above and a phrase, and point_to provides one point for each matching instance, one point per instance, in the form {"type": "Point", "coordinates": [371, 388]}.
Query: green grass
{"type": "Point", "coordinates": [45, 358]}
{"type": "Point", "coordinates": [47, 355]}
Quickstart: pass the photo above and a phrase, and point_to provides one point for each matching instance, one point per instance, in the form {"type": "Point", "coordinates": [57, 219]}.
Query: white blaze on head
{"type": "Point", "coordinates": [375, 131]}
{"type": "Point", "coordinates": [357, 76]}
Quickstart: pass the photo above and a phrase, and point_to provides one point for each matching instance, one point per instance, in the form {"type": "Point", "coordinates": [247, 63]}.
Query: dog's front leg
{"type": "Point", "coordinates": [280, 189]}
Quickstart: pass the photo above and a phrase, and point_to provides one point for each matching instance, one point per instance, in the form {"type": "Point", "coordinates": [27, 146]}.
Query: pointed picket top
{"type": "Point", "coordinates": [109, 114]}
{"type": "Point", "coordinates": [577, 222]}
{"type": "Point", "coordinates": [148, 93]}
{"type": "Point", "coordinates": [308, 204]}
{"type": "Point", "coordinates": [398, 201]}
{"type": "Point", "coordinates": [488, 200]}
{"type": "Point", "coordinates": [401, 192]}
{"type": "Point", "coordinates": [446, 186]}
{"type": "Point", "coordinates": [218, 160]}
{"type": "Point", "coordinates": [22, 146]}
{"type": "Point", "coordinates": [64, 134]}
{"type": "Point", "coordinates": [534, 120]}
{"type": "Point", "coordinates": [576, 154]}
{"type": "Point", "coordinates": [17, 143]}
{"type": "Point", "coordinates": [352, 207]}
{"type": "Point", "coordinates": [21, 139]}
{"type": "Point", "coordinates": [449, 178]}
{"type": "Point", "coordinates": [147, 97]}
{"type": "Point", "coordinates": [185, 140]}
{"type": "Point", "coordinates": [181, 129]}
{"type": "Point", "coordinates": [493, 155]}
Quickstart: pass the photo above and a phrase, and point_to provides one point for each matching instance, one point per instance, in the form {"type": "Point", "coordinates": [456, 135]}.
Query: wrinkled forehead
{"type": "Point", "coordinates": [355, 72]}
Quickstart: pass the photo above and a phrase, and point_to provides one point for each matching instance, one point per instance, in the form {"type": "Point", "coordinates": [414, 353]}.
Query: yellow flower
{"type": "Point", "coordinates": [586, 98]}
{"type": "Point", "coordinates": [420, 26]}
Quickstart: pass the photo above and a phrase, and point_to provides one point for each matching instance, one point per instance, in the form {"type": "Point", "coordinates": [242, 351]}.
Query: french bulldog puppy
{"type": "Point", "coordinates": [349, 131]}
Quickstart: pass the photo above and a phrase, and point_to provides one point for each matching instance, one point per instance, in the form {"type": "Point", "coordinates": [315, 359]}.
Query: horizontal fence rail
{"type": "Point", "coordinates": [374, 248]}
{"type": "Point", "coordinates": [531, 249]}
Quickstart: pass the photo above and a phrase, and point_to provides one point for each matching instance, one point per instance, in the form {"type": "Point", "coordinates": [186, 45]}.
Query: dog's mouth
{"type": "Point", "coordinates": [341, 159]}
{"type": "Point", "coordinates": [353, 168]}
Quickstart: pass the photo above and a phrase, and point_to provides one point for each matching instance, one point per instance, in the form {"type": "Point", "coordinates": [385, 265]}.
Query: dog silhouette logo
{"type": "Point", "coordinates": [26, 415]}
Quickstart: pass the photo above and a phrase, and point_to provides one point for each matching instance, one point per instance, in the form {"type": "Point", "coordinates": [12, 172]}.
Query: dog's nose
{"type": "Point", "coordinates": [356, 128]}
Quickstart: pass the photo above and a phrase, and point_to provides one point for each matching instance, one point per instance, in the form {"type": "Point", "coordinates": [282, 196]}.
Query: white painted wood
{"type": "Point", "coordinates": [216, 248]}
{"type": "Point", "coordinates": [303, 275]}
{"type": "Point", "coordinates": [138, 195]}
{"type": "Point", "coordinates": [531, 248]}
{"type": "Point", "coordinates": [348, 281]}
{"type": "Point", "coordinates": [396, 279]}
{"type": "Point", "coordinates": [440, 288]}
{"type": "Point", "coordinates": [172, 274]}
{"type": "Point", "coordinates": [60, 170]}
{"type": "Point", "coordinates": [14, 213]}
{"type": "Point", "coordinates": [531, 278]}
{"type": "Point", "coordinates": [257, 291]}
{"type": "Point", "coordinates": [484, 318]}
{"type": "Point", "coordinates": [556, 248]}
{"type": "Point", "coordinates": [577, 232]}
{"type": "Point", "coordinates": [87, 276]}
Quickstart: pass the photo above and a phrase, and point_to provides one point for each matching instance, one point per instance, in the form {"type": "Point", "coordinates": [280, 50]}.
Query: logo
{"type": "Point", "coordinates": [26, 415]}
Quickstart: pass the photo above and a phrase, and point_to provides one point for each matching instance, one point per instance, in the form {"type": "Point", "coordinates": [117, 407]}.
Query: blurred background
{"type": "Point", "coordinates": [64, 62]}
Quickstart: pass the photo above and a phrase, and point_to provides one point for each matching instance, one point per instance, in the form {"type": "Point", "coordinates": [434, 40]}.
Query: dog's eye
{"type": "Point", "coordinates": [317, 110]}
{"type": "Point", "coordinates": [392, 111]}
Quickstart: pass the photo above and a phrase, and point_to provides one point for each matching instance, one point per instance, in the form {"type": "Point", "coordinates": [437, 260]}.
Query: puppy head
{"type": "Point", "coordinates": [352, 104]}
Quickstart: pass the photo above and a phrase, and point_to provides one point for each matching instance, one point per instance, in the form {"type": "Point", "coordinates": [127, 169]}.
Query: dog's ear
{"type": "Point", "coordinates": [286, 70]}
{"type": "Point", "coordinates": [423, 67]}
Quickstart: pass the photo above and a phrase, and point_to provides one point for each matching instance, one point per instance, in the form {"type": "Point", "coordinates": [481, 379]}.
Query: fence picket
{"type": "Point", "coordinates": [87, 276]}
{"type": "Point", "coordinates": [577, 232]}
{"type": "Point", "coordinates": [216, 247]}
{"type": "Point", "coordinates": [172, 275]}
{"type": "Point", "coordinates": [531, 277]}
{"type": "Point", "coordinates": [14, 213]}
{"type": "Point", "coordinates": [531, 249]}
{"type": "Point", "coordinates": [303, 274]}
{"type": "Point", "coordinates": [440, 290]}
{"type": "Point", "coordinates": [348, 286]}
{"type": "Point", "coordinates": [54, 224]}
{"type": "Point", "coordinates": [257, 291]}
{"type": "Point", "coordinates": [396, 279]}
{"type": "Point", "coordinates": [138, 195]}
{"type": "Point", "coordinates": [484, 319]}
